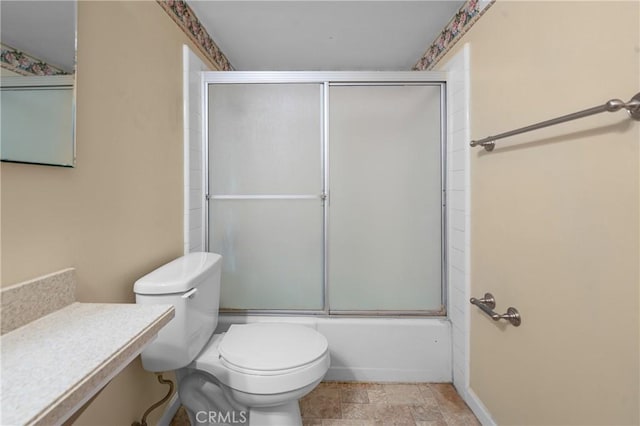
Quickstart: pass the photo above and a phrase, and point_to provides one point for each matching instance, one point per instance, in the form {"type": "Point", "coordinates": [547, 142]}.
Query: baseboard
{"type": "Point", "coordinates": [478, 408]}
{"type": "Point", "coordinates": [170, 412]}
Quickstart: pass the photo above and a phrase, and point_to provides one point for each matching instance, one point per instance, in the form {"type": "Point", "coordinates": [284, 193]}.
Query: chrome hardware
{"type": "Point", "coordinates": [633, 106]}
{"type": "Point", "coordinates": [488, 303]}
{"type": "Point", "coordinates": [189, 294]}
{"type": "Point", "coordinates": [264, 197]}
{"type": "Point", "coordinates": [613, 105]}
{"type": "Point", "coordinates": [488, 300]}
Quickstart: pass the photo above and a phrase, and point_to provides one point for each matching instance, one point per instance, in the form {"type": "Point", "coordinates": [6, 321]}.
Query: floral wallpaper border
{"type": "Point", "coordinates": [463, 20]}
{"type": "Point", "coordinates": [187, 20]}
{"type": "Point", "coordinates": [23, 64]}
{"type": "Point", "coordinates": [468, 14]}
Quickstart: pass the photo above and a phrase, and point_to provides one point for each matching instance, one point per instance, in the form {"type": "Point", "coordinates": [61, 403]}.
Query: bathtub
{"type": "Point", "coordinates": [375, 349]}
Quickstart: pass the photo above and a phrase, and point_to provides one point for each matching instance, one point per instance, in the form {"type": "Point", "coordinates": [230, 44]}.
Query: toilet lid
{"type": "Point", "coordinates": [271, 346]}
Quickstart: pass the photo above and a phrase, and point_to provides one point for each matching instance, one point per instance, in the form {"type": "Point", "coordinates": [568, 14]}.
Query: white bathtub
{"type": "Point", "coordinates": [376, 349]}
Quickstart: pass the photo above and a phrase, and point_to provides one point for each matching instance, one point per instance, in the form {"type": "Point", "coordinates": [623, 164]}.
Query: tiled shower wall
{"type": "Point", "coordinates": [458, 212]}
{"type": "Point", "coordinates": [193, 152]}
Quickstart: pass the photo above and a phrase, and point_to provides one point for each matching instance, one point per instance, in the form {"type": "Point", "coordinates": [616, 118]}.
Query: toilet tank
{"type": "Point", "coordinates": [192, 285]}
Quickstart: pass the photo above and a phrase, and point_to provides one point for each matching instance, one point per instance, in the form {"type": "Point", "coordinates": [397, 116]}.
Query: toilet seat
{"type": "Point", "coordinates": [277, 357]}
{"type": "Point", "coordinates": [270, 348]}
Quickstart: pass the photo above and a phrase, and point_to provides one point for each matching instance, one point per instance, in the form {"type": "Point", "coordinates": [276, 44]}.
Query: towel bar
{"type": "Point", "coordinates": [633, 107]}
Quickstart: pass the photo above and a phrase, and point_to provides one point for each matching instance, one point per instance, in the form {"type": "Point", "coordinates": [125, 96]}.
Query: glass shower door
{"type": "Point", "coordinates": [385, 205]}
{"type": "Point", "coordinates": [265, 186]}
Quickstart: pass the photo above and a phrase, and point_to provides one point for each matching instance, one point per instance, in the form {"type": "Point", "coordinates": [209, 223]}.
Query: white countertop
{"type": "Point", "coordinates": [53, 365]}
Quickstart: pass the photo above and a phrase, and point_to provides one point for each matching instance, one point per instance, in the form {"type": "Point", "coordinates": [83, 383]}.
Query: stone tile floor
{"type": "Point", "coordinates": [369, 404]}
{"type": "Point", "coordinates": [376, 404]}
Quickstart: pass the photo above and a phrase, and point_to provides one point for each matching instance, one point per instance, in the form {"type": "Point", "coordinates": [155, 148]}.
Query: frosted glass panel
{"type": "Point", "coordinates": [265, 138]}
{"type": "Point", "coordinates": [271, 251]}
{"type": "Point", "coordinates": [385, 198]}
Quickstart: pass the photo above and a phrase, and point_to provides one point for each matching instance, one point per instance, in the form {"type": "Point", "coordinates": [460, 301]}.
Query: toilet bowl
{"type": "Point", "coordinates": [260, 377]}
{"type": "Point", "coordinates": [253, 374]}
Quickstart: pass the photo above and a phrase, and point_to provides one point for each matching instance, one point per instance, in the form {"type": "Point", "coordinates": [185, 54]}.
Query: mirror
{"type": "Point", "coordinates": [37, 82]}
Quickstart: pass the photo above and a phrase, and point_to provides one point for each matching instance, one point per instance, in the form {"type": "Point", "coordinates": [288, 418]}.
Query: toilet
{"type": "Point", "coordinates": [253, 374]}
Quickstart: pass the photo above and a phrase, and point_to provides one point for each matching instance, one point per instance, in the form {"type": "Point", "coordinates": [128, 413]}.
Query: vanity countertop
{"type": "Point", "coordinates": [52, 366]}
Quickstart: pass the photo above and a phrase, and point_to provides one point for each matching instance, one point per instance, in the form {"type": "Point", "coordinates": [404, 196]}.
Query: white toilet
{"type": "Point", "coordinates": [253, 374]}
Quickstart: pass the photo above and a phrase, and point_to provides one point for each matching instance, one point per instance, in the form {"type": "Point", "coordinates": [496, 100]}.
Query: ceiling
{"type": "Point", "coordinates": [294, 35]}
{"type": "Point", "coordinates": [45, 30]}
{"type": "Point", "coordinates": [324, 35]}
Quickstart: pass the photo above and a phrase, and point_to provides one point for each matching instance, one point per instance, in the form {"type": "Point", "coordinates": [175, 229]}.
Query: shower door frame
{"type": "Point", "coordinates": [326, 79]}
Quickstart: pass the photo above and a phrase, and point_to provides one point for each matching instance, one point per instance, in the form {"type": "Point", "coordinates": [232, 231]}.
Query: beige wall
{"type": "Point", "coordinates": [119, 213]}
{"type": "Point", "coordinates": [554, 214]}
{"type": "Point", "coordinates": [6, 72]}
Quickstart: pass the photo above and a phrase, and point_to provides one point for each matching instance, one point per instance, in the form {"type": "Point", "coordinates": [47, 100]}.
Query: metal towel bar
{"type": "Point", "coordinates": [488, 303]}
{"type": "Point", "coordinates": [633, 107]}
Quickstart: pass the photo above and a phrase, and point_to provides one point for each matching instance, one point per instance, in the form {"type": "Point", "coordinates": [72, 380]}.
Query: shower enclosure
{"type": "Point", "coordinates": [326, 192]}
